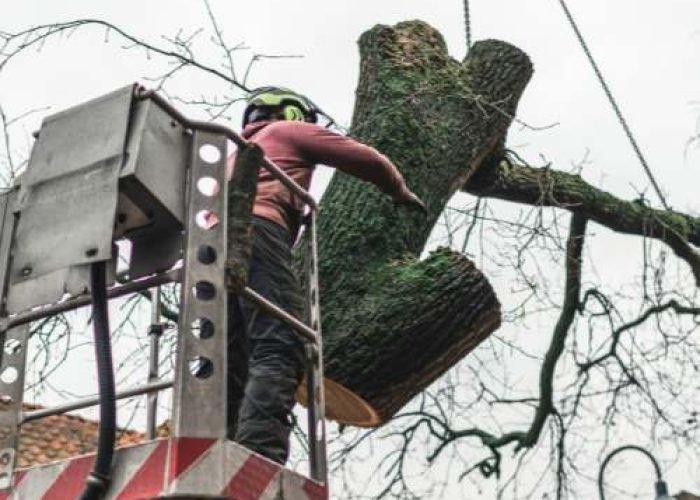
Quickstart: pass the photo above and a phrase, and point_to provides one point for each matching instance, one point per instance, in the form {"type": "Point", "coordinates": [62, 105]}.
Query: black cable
{"type": "Point", "coordinates": [467, 25]}
{"type": "Point", "coordinates": [661, 488]}
{"type": "Point", "coordinates": [613, 103]}
{"type": "Point", "coordinates": [98, 480]}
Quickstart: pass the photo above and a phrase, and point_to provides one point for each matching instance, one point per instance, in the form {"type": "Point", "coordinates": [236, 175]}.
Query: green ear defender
{"type": "Point", "coordinates": [293, 113]}
{"type": "Point", "coordinates": [294, 107]}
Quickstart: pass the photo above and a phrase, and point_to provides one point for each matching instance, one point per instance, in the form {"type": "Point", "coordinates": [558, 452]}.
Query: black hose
{"type": "Point", "coordinates": [97, 482]}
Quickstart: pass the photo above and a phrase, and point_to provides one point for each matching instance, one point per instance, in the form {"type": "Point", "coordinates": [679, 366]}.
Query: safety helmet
{"type": "Point", "coordinates": [263, 101]}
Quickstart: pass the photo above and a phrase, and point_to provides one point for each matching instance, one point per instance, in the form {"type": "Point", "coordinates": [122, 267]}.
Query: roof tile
{"type": "Point", "coordinates": [63, 436]}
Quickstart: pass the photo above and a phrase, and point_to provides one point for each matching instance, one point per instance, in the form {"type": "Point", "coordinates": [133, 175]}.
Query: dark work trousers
{"type": "Point", "coordinates": [266, 357]}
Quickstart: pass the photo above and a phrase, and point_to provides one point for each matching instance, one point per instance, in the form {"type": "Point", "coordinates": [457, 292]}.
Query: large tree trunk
{"type": "Point", "coordinates": [392, 323]}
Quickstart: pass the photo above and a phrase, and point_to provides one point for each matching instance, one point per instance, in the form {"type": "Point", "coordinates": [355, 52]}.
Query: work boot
{"type": "Point", "coordinates": [269, 437]}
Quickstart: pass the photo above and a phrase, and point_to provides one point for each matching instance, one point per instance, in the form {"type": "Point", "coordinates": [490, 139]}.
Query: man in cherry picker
{"type": "Point", "coordinates": [283, 124]}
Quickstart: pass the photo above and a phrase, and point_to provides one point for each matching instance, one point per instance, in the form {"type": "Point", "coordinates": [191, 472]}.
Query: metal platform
{"type": "Point", "coordinates": [128, 165]}
{"type": "Point", "coordinates": [195, 468]}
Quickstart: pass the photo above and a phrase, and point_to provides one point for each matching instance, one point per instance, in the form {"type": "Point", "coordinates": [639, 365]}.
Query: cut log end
{"type": "Point", "coordinates": [343, 405]}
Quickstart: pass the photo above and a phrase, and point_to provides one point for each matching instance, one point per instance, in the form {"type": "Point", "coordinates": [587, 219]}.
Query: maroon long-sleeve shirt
{"type": "Point", "coordinates": [296, 147]}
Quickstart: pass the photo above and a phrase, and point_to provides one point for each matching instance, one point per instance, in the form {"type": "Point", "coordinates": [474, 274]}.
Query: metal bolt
{"type": "Point", "coordinates": [26, 270]}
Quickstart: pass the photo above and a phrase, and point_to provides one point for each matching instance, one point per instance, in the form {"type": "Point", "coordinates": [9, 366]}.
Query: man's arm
{"type": "Point", "coordinates": [320, 145]}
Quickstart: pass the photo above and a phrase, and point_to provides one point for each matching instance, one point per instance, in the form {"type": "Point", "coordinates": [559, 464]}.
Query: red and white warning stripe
{"type": "Point", "coordinates": [187, 466]}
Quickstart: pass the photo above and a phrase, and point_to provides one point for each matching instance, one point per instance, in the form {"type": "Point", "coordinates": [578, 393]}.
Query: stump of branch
{"type": "Point", "coordinates": [239, 224]}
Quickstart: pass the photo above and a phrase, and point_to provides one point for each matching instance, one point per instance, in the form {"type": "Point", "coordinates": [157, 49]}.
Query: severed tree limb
{"type": "Point", "coordinates": [393, 323]}
{"type": "Point", "coordinates": [521, 183]}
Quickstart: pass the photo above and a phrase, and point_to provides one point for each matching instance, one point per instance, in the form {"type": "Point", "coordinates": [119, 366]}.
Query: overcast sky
{"type": "Point", "coordinates": [648, 51]}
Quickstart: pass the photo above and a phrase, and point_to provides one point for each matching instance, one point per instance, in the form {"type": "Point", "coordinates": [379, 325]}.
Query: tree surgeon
{"type": "Point", "coordinates": [267, 358]}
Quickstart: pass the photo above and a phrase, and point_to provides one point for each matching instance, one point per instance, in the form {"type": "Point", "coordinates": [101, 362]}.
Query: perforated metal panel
{"type": "Point", "coordinates": [200, 383]}
{"type": "Point", "coordinates": [12, 369]}
{"type": "Point", "coordinates": [314, 375]}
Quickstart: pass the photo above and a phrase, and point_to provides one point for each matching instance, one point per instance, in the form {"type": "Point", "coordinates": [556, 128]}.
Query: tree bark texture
{"type": "Point", "coordinates": [393, 323]}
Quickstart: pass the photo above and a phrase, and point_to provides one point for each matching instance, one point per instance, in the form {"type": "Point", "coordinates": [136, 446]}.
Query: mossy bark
{"type": "Point", "coordinates": [392, 323]}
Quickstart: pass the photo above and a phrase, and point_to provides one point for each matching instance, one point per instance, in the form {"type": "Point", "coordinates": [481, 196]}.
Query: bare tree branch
{"type": "Point", "coordinates": [572, 292]}
{"type": "Point", "coordinates": [14, 43]}
{"type": "Point", "coordinates": [521, 183]}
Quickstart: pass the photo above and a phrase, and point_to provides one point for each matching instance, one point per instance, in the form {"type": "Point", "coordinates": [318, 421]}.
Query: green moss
{"type": "Point", "coordinates": [678, 222]}
{"type": "Point", "coordinates": [391, 287]}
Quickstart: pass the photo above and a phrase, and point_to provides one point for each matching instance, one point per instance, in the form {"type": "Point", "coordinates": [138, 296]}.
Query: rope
{"type": "Point", "coordinates": [467, 25]}
{"type": "Point", "coordinates": [614, 105]}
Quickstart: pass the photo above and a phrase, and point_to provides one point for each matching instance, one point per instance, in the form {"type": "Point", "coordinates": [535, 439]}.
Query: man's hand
{"type": "Point", "coordinates": [411, 200]}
